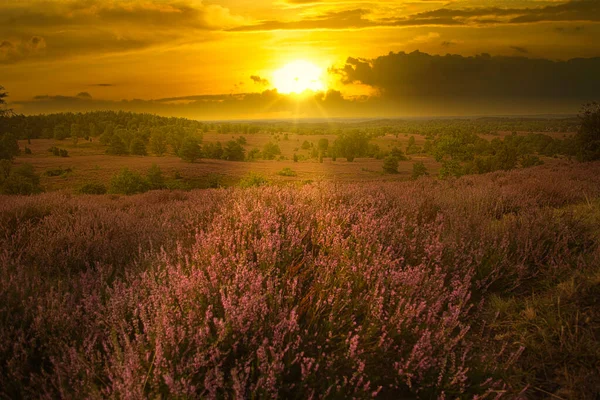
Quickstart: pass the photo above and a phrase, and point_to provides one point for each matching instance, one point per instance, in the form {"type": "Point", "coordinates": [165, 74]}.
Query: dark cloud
{"type": "Point", "coordinates": [569, 30]}
{"type": "Point", "coordinates": [103, 84]}
{"type": "Point", "coordinates": [13, 51]}
{"type": "Point", "coordinates": [580, 10]}
{"type": "Point", "coordinates": [258, 80]}
{"type": "Point", "coordinates": [454, 77]}
{"type": "Point", "coordinates": [520, 49]}
{"type": "Point", "coordinates": [84, 95]}
{"type": "Point", "coordinates": [448, 43]}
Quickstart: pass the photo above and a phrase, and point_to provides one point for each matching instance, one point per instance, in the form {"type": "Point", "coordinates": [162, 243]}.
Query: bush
{"type": "Point", "coordinates": [22, 180]}
{"type": "Point", "coordinates": [530, 160]}
{"type": "Point", "coordinates": [588, 136]}
{"type": "Point", "coordinates": [287, 172]}
{"type": "Point", "coordinates": [419, 170]}
{"type": "Point", "coordinates": [92, 188]}
{"type": "Point", "coordinates": [155, 177]}
{"type": "Point", "coordinates": [190, 150]}
{"type": "Point", "coordinates": [234, 151]}
{"type": "Point", "coordinates": [128, 182]}
{"type": "Point", "coordinates": [63, 153]}
{"type": "Point", "coordinates": [252, 179]}
{"type": "Point", "coordinates": [27, 150]}
{"type": "Point", "coordinates": [390, 165]}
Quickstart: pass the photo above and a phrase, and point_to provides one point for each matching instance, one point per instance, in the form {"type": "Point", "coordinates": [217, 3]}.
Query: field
{"type": "Point", "coordinates": [485, 286]}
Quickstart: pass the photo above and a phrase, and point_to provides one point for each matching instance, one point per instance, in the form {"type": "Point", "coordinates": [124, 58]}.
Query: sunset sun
{"type": "Point", "coordinates": [297, 77]}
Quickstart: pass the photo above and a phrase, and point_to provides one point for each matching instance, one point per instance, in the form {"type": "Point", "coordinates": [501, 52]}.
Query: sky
{"type": "Point", "coordinates": [226, 59]}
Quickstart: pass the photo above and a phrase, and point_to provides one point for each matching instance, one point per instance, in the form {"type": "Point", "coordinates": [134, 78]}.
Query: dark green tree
{"type": "Point", "coordinates": [138, 147]}
{"type": "Point", "coordinates": [190, 149]}
{"type": "Point", "coordinates": [116, 146]}
{"type": "Point", "coordinates": [588, 136]}
{"type": "Point", "coordinates": [419, 170]}
{"type": "Point", "coordinates": [390, 165]}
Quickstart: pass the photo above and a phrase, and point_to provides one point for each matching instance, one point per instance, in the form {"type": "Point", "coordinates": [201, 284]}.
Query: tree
{"type": "Point", "coordinates": [128, 182]}
{"type": "Point", "coordinates": [234, 151]}
{"type": "Point", "coordinates": [116, 146]}
{"type": "Point", "coordinates": [3, 110]}
{"type": "Point", "coordinates": [155, 177]}
{"type": "Point", "coordinates": [137, 147]}
{"type": "Point", "coordinates": [271, 150]}
{"type": "Point", "coordinates": [419, 170]}
{"type": "Point", "coordinates": [60, 132]}
{"type": "Point", "coordinates": [22, 180]}
{"type": "Point", "coordinates": [323, 145]}
{"type": "Point", "coordinates": [190, 150]}
{"type": "Point", "coordinates": [588, 136]}
{"type": "Point", "coordinates": [158, 142]}
{"type": "Point", "coordinates": [390, 165]}
{"type": "Point", "coordinates": [9, 147]}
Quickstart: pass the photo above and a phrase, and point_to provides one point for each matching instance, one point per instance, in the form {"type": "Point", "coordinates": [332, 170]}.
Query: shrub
{"type": "Point", "coordinates": [530, 160]}
{"type": "Point", "coordinates": [234, 151]}
{"type": "Point", "coordinates": [155, 177]}
{"type": "Point", "coordinates": [190, 150]}
{"type": "Point", "coordinates": [390, 165]}
{"type": "Point", "coordinates": [92, 188]}
{"type": "Point", "coordinates": [22, 180]}
{"type": "Point", "coordinates": [252, 179]}
{"type": "Point", "coordinates": [128, 182]}
{"type": "Point", "coordinates": [419, 170]}
{"type": "Point", "coordinates": [287, 172]}
{"type": "Point", "coordinates": [588, 136]}
{"type": "Point", "coordinates": [27, 150]}
{"type": "Point", "coordinates": [63, 153]}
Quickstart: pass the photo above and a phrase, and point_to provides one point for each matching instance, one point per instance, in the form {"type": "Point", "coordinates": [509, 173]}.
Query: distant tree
{"type": "Point", "coordinates": [270, 151]}
{"type": "Point", "coordinates": [398, 154]}
{"type": "Point", "coordinates": [190, 150]}
{"type": "Point", "coordinates": [530, 160]}
{"type": "Point", "coordinates": [295, 157]}
{"type": "Point", "coordinates": [138, 147]}
{"type": "Point", "coordinates": [241, 140]}
{"type": "Point", "coordinates": [419, 170]}
{"type": "Point", "coordinates": [588, 136]}
{"type": "Point", "coordinates": [3, 110]}
{"type": "Point", "coordinates": [75, 133]}
{"type": "Point", "coordinates": [323, 145]}
{"type": "Point", "coordinates": [116, 146]}
{"type": "Point", "coordinates": [9, 147]}
{"type": "Point", "coordinates": [158, 142]}
{"type": "Point", "coordinates": [60, 132]}
{"type": "Point", "coordinates": [305, 145]}
{"type": "Point", "coordinates": [234, 151]}
{"type": "Point", "coordinates": [390, 165]}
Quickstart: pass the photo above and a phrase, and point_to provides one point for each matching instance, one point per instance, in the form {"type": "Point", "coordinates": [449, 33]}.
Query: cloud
{"type": "Point", "coordinates": [520, 49]}
{"type": "Point", "coordinates": [103, 84]}
{"type": "Point", "coordinates": [76, 27]}
{"type": "Point", "coordinates": [579, 10]}
{"type": "Point", "coordinates": [454, 77]}
{"type": "Point", "coordinates": [259, 81]}
{"type": "Point", "coordinates": [84, 95]}
{"type": "Point", "coordinates": [13, 51]}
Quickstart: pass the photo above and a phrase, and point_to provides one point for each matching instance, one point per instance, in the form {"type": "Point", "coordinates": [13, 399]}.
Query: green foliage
{"type": "Point", "coordinates": [9, 147]}
{"type": "Point", "coordinates": [116, 146]}
{"type": "Point", "coordinates": [137, 147]}
{"type": "Point", "coordinates": [92, 188]}
{"type": "Point", "coordinates": [354, 143]}
{"type": "Point", "coordinates": [305, 145]}
{"type": "Point", "coordinates": [60, 132]}
{"type": "Point", "coordinates": [234, 151]}
{"type": "Point", "coordinates": [128, 182]}
{"type": "Point", "coordinates": [213, 150]}
{"type": "Point", "coordinates": [253, 154]}
{"type": "Point", "coordinates": [190, 149]}
{"type": "Point", "coordinates": [3, 110]}
{"type": "Point", "coordinates": [588, 136]}
{"type": "Point", "coordinates": [158, 142]}
{"type": "Point", "coordinates": [398, 154]}
{"type": "Point", "coordinates": [390, 165]}
{"type": "Point", "coordinates": [155, 177]}
{"type": "Point", "coordinates": [5, 168]}
{"type": "Point", "coordinates": [287, 171]}
{"type": "Point", "coordinates": [252, 179]}
{"type": "Point", "coordinates": [530, 160]}
{"type": "Point", "coordinates": [419, 170]}
{"type": "Point", "coordinates": [28, 150]}
{"type": "Point", "coordinates": [323, 145]}
{"type": "Point", "coordinates": [57, 171]}
{"type": "Point", "coordinates": [241, 140]}
{"type": "Point", "coordinates": [270, 151]}
{"type": "Point", "coordinates": [21, 180]}
{"type": "Point", "coordinates": [450, 168]}
{"type": "Point", "coordinates": [295, 157]}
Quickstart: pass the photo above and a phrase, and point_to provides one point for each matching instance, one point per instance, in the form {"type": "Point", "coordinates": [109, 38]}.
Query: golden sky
{"type": "Point", "coordinates": [95, 53]}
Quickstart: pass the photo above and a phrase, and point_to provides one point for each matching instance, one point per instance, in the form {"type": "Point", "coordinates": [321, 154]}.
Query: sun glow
{"type": "Point", "coordinates": [297, 77]}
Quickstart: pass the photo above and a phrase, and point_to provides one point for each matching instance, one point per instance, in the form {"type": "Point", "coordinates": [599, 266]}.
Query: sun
{"type": "Point", "coordinates": [297, 77]}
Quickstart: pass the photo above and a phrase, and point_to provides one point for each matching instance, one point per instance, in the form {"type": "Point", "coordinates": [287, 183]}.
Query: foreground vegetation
{"type": "Point", "coordinates": [480, 287]}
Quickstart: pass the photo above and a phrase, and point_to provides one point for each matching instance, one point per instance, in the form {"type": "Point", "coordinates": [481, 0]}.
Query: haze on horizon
{"type": "Point", "coordinates": [242, 59]}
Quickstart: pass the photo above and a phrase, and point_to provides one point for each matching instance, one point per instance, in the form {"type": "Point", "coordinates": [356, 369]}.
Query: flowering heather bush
{"type": "Point", "coordinates": [371, 290]}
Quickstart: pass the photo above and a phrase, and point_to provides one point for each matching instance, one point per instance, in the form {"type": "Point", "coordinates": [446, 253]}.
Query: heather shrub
{"type": "Point", "coordinates": [128, 182]}
{"type": "Point", "coordinates": [252, 179]}
{"type": "Point", "coordinates": [415, 289]}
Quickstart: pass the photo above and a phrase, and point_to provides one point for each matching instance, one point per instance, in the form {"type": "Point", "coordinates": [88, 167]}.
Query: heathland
{"type": "Point", "coordinates": [461, 263]}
